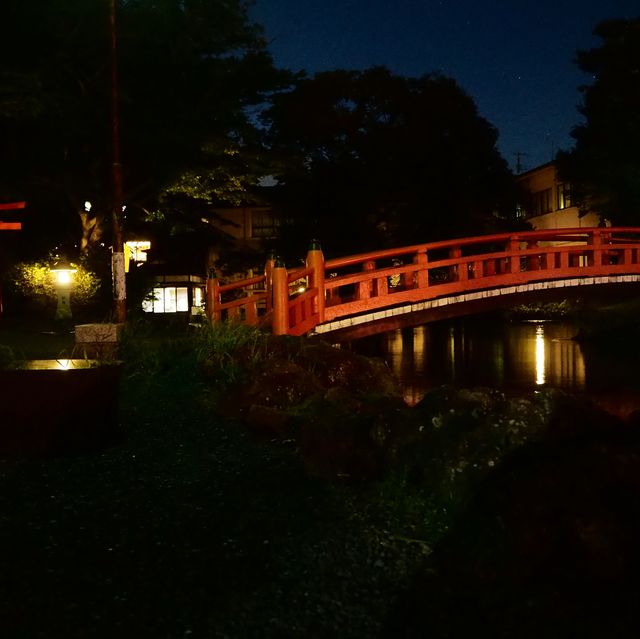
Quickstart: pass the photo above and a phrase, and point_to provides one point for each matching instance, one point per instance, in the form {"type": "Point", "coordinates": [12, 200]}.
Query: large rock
{"type": "Point", "coordinates": [343, 436]}
{"type": "Point", "coordinates": [267, 420]}
{"type": "Point", "coordinates": [342, 368]}
{"type": "Point", "coordinates": [283, 385]}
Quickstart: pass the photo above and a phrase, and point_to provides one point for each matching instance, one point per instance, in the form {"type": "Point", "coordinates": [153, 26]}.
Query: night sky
{"type": "Point", "coordinates": [514, 58]}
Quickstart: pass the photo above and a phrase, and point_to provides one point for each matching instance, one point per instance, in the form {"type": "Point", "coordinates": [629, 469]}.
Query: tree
{"type": "Point", "coordinates": [189, 70]}
{"type": "Point", "coordinates": [370, 159]}
{"type": "Point", "coordinates": [604, 165]}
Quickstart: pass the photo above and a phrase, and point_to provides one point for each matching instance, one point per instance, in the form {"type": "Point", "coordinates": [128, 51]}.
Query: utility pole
{"type": "Point", "coordinates": [519, 155]}
{"type": "Point", "coordinates": [117, 256]}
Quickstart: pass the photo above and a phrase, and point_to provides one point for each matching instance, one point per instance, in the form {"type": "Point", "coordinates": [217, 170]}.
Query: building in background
{"type": "Point", "coordinates": [548, 201]}
{"type": "Point", "coordinates": [232, 246]}
{"type": "Point", "coordinates": [248, 226]}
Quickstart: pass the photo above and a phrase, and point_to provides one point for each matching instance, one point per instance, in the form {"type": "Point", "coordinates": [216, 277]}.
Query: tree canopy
{"type": "Point", "coordinates": [369, 158]}
{"type": "Point", "coordinates": [189, 73]}
{"type": "Point", "coordinates": [604, 165]}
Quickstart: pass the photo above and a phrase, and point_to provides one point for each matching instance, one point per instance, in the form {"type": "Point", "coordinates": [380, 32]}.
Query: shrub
{"type": "Point", "coordinates": [229, 351]}
{"type": "Point", "coordinates": [33, 281]}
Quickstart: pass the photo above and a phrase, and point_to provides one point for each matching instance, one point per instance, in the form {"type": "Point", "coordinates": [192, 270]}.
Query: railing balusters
{"type": "Point", "coordinates": [365, 288]}
{"type": "Point", "coordinates": [514, 259]}
{"type": "Point", "coordinates": [421, 276]}
{"type": "Point", "coordinates": [455, 270]}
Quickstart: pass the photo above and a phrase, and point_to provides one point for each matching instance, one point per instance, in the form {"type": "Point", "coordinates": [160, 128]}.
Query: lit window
{"type": "Point", "coordinates": [182, 299]}
{"type": "Point", "coordinates": [170, 299]}
{"type": "Point", "coordinates": [263, 224]}
{"type": "Point", "coordinates": [158, 300]}
{"type": "Point", "coordinates": [565, 199]}
{"type": "Point", "coordinates": [138, 250]}
{"type": "Point", "coordinates": [167, 299]}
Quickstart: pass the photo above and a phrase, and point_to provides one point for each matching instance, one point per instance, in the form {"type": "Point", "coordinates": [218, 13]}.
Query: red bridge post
{"type": "Point", "coordinates": [421, 276]}
{"type": "Point", "coordinates": [213, 298]}
{"type": "Point", "coordinates": [268, 278]}
{"type": "Point", "coordinates": [315, 260]}
{"type": "Point", "coordinates": [365, 288]}
{"type": "Point", "coordinates": [280, 322]}
{"type": "Point", "coordinates": [534, 260]}
{"type": "Point", "coordinates": [514, 247]}
{"type": "Point", "coordinates": [595, 240]}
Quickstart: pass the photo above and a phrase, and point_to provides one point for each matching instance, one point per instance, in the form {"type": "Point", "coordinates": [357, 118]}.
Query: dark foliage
{"type": "Point", "coordinates": [188, 75]}
{"type": "Point", "coordinates": [372, 159]}
{"type": "Point", "coordinates": [604, 165]}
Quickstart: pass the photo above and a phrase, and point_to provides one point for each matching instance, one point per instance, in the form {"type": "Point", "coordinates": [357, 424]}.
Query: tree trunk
{"type": "Point", "coordinates": [91, 231]}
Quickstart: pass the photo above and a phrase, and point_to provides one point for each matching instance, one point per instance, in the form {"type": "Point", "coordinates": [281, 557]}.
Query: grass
{"type": "Point", "coordinates": [189, 527]}
{"type": "Point", "coordinates": [33, 339]}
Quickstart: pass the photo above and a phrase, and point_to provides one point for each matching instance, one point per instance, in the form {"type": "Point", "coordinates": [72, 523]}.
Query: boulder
{"type": "Point", "coordinates": [269, 421]}
{"type": "Point", "coordinates": [283, 385]}
{"type": "Point", "coordinates": [341, 436]}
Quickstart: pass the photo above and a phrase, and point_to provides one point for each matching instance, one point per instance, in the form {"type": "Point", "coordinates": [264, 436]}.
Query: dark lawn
{"type": "Point", "coordinates": [36, 339]}
{"type": "Point", "coordinates": [189, 528]}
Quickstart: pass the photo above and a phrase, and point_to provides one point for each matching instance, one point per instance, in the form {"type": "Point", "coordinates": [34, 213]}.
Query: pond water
{"type": "Point", "coordinates": [513, 356]}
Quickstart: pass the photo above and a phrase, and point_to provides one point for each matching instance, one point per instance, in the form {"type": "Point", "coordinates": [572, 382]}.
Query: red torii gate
{"type": "Point", "coordinates": [10, 226]}
{"type": "Point", "coordinates": [11, 206]}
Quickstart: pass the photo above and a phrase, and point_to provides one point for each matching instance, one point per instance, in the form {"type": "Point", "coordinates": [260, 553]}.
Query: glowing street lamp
{"type": "Point", "coordinates": [63, 273]}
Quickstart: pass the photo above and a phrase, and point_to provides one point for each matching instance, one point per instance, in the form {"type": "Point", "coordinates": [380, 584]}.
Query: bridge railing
{"type": "Point", "coordinates": [294, 302]}
{"type": "Point", "coordinates": [244, 301]}
{"type": "Point", "coordinates": [375, 280]}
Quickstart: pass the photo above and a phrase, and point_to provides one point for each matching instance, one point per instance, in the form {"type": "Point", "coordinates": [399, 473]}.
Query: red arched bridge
{"type": "Point", "coordinates": [345, 292]}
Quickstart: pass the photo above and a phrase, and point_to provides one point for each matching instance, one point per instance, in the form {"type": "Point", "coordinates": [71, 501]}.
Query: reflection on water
{"type": "Point", "coordinates": [512, 356]}
{"type": "Point", "coordinates": [540, 371]}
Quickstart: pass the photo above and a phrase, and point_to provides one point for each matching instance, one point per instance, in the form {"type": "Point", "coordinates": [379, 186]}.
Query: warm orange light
{"type": "Point", "coordinates": [540, 356]}
{"type": "Point", "coordinates": [63, 277]}
{"type": "Point", "coordinates": [63, 273]}
{"type": "Point", "coordinates": [138, 249]}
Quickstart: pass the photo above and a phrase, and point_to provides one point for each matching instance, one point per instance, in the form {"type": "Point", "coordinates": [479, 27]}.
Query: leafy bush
{"type": "Point", "coordinates": [7, 356]}
{"type": "Point", "coordinates": [229, 351]}
{"type": "Point", "coordinates": [34, 280]}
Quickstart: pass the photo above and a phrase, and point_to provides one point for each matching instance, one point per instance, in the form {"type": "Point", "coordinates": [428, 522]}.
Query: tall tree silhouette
{"type": "Point", "coordinates": [189, 73]}
{"type": "Point", "coordinates": [371, 158]}
{"type": "Point", "coordinates": [604, 165]}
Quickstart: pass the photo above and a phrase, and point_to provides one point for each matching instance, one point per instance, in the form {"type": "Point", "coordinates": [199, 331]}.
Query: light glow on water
{"type": "Point", "coordinates": [502, 355]}
{"type": "Point", "coordinates": [513, 356]}
{"type": "Point", "coordinates": [540, 360]}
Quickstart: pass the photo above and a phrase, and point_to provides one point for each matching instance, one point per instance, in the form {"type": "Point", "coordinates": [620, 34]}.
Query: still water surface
{"type": "Point", "coordinates": [513, 356]}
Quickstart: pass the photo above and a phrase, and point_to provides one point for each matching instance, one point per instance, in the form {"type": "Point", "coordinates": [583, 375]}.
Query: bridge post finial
{"type": "Point", "coordinates": [315, 261]}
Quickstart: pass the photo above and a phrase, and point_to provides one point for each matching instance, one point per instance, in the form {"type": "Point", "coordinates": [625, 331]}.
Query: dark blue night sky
{"type": "Point", "coordinates": [514, 58]}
